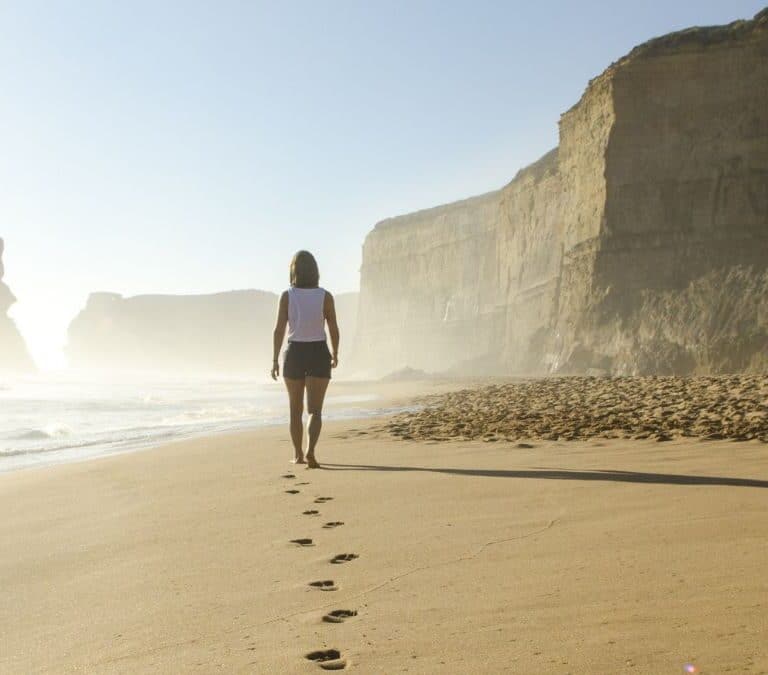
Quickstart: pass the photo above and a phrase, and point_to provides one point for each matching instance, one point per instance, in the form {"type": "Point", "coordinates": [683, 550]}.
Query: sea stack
{"type": "Point", "coordinates": [638, 246]}
{"type": "Point", "coordinates": [14, 357]}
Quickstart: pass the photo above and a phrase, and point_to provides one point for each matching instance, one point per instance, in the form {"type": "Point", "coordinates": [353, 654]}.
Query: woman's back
{"type": "Point", "coordinates": [304, 310]}
{"type": "Point", "coordinates": [306, 315]}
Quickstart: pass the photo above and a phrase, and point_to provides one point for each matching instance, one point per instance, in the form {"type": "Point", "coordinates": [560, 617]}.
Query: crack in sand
{"type": "Point", "coordinates": [462, 558]}
{"type": "Point", "coordinates": [147, 652]}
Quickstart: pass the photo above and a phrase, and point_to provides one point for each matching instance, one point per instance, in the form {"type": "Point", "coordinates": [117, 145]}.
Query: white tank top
{"type": "Point", "coordinates": [306, 318]}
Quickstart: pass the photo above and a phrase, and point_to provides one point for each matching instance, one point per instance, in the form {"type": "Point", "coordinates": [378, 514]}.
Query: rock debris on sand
{"type": "Point", "coordinates": [577, 408]}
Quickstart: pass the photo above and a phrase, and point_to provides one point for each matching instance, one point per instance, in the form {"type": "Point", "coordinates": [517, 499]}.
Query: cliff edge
{"type": "Point", "coordinates": [638, 246]}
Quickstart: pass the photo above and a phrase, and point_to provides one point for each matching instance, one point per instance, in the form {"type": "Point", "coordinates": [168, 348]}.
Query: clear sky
{"type": "Point", "coordinates": [191, 147]}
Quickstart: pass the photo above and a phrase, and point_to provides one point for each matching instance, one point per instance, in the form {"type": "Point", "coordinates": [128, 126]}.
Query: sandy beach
{"type": "Point", "coordinates": [510, 258]}
{"type": "Point", "coordinates": [584, 556]}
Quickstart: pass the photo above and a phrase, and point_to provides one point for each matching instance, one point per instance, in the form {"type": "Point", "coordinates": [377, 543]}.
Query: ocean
{"type": "Point", "coordinates": [48, 421]}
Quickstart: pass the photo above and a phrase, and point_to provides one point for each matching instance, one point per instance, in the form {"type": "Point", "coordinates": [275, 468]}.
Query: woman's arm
{"type": "Point", "coordinates": [279, 333]}
{"type": "Point", "coordinates": [329, 309]}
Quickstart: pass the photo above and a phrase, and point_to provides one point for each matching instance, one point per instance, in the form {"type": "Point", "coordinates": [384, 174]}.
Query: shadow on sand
{"type": "Point", "coordinates": [567, 474]}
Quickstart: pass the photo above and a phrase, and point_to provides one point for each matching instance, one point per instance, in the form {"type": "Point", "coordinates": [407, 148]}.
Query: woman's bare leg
{"type": "Point", "coordinates": [316, 387]}
{"type": "Point", "coordinates": [296, 400]}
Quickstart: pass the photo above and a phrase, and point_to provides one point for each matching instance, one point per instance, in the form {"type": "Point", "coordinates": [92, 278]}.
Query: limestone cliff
{"type": "Point", "coordinates": [218, 334]}
{"type": "Point", "coordinates": [656, 196]}
{"type": "Point", "coordinates": [14, 357]}
{"type": "Point", "coordinates": [422, 296]}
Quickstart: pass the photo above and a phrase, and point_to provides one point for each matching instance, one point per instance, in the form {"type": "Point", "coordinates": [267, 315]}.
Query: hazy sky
{"type": "Point", "coordinates": [189, 147]}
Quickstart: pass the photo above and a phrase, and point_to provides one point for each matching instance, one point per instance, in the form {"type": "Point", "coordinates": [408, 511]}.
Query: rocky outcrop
{"type": "Point", "coordinates": [656, 200]}
{"type": "Point", "coordinates": [218, 334]}
{"type": "Point", "coordinates": [14, 357]}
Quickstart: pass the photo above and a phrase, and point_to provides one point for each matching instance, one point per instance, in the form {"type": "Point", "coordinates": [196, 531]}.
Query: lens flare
{"type": "Point", "coordinates": [690, 668]}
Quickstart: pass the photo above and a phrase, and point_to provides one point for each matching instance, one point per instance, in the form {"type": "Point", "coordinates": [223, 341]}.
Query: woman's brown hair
{"type": "Point", "coordinates": [304, 272]}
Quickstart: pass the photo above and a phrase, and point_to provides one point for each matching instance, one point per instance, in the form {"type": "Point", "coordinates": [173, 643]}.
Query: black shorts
{"type": "Point", "coordinates": [307, 359]}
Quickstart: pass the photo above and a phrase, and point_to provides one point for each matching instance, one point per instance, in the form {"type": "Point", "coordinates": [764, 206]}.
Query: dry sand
{"type": "Point", "coordinates": [590, 556]}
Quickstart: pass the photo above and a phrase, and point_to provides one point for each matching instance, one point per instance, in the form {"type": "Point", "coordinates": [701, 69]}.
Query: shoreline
{"type": "Point", "coordinates": [347, 400]}
{"type": "Point", "coordinates": [577, 556]}
{"type": "Point", "coordinates": [102, 451]}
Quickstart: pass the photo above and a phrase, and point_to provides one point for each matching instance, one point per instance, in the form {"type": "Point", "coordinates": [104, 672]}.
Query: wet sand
{"type": "Point", "coordinates": [587, 556]}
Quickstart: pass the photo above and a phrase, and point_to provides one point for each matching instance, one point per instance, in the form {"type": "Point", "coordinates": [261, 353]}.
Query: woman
{"type": "Point", "coordinates": [305, 308]}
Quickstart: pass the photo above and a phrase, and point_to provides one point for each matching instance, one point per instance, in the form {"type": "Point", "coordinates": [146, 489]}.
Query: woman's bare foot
{"type": "Point", "coordinates": [312, 462]}
{"type": "Point", "coordinates": [298, 460]}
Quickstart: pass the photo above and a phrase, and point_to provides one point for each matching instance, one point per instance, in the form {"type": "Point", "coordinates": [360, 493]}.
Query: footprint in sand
{"type": "Point", "coordinates": [327, 659]}
{"type": "Point", "coordinates": [302, 542]}
{"type": "Point", "coordinates": [339, 615]}
{"type": "Point", "coordinates": [288, 475]}
{"type": "Point", "coordinates": [332, 524]}
{"type": "Point", "coordinates": [293, 492]}
{"type": "Point", "coordinates": [311, 512]}
{"type": "Point", "coordinates": [303, 483]}
{"type": "Point", "coordinates": [322, 500]}
{"type": "Point", "coordinates": [343, 557]}
{"type": "Point", "coordinates": [327, 585]}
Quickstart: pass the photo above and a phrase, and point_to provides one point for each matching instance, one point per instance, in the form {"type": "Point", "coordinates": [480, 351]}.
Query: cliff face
{"type": "Point", "coordinates": [686, 171]}
{"type": "Point", "coordinates": [346, 316]}
{"type": "Point", "coordinates": [415, 280]}
{"type": "Point", "coordinates": [14, 357]}
{"type": "Point", "coordinates": [656, 196]}
{"type": "Point", "coordinates": [219, 334]}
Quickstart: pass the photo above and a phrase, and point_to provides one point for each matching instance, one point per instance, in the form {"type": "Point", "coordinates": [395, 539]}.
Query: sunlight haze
{"type": "Point", "coordinates": [192, 147]}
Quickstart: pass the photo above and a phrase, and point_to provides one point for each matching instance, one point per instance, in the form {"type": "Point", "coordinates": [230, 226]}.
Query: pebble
{"type": "Point", "coordinates": [660, 408]}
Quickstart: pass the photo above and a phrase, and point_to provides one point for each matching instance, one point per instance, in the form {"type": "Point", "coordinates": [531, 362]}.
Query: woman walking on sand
{"type": "Point", "coordinates": [305, 308]}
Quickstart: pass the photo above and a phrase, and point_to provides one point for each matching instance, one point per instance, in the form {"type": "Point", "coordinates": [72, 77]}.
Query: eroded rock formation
{"type": "Point", "coordinates": [14, 357]}
{"type": "Point", "coordinates": [639, 245]}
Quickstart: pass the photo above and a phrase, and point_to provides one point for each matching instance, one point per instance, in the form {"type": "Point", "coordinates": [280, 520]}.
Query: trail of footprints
{"type": "Point", "coordinates": [327, 659]}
